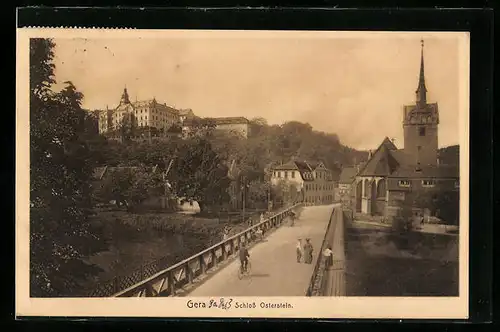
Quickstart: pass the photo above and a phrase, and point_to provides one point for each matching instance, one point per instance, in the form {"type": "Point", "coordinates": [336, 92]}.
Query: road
{"type": "Point", "coordinates": [275, 271]}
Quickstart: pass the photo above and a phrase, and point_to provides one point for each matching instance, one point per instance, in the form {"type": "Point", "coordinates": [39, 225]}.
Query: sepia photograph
{"type": "Point", "coordinates": [252, 172]}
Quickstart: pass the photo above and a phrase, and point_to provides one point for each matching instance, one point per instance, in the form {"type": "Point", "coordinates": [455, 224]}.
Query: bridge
{"type": "Point", "coordinates": [274, 267]}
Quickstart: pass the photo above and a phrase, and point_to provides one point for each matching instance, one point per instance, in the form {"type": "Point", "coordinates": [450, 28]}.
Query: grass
{"type": "Point", "coordinates": [380, 263]}
{"type": "Point", "coordinates": [136, 239]}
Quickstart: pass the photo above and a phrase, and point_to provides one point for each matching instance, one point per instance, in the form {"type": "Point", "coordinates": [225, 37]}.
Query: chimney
{"type": "Point", "coordinates": [369, 154]}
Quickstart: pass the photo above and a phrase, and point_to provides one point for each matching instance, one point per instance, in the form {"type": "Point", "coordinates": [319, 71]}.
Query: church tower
{"type": "Point", "coordinates": [420, 124]}
{"type": "Point", "coordinates": [125, 99]}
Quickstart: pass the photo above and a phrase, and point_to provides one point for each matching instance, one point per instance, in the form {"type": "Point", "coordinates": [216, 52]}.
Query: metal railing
{"type": "Point", "coordinates": [315, 283]}
{"type": "Point", "coordinates": [154, 278]}
{"type": "Point", "coordinates": [320, 284]}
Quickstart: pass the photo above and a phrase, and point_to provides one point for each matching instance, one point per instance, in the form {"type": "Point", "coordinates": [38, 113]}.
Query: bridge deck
{"type": "Point", "coordinates": [275, 271]}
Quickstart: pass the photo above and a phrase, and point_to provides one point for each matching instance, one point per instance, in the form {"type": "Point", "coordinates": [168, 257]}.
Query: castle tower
{"type": "Point", "coordinates": [420, 124]}
{"type": "Point", "coordinates": [125, 99]}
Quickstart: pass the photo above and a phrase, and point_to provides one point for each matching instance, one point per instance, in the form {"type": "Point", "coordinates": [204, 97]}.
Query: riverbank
{"type": "Point", "coordinates": [134, 240]}
{"type": "Point", "coordinates": [380, 263]}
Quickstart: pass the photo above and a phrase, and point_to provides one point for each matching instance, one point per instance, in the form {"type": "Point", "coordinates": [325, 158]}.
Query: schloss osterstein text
{"type": "Point", "coordinates": [229, 303]}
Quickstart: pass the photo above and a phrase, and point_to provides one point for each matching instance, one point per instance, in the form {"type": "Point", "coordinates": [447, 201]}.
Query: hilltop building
{"type": "Point", "coordinates": [145, 113]}
{"type": "Point", "coordinates": [390, 174]}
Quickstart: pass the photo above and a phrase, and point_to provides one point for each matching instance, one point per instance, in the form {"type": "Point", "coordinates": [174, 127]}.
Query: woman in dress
{"type": "Point", "coordinates": [308, 252]}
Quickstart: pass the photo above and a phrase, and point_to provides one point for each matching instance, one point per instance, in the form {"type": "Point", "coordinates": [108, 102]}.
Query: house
{"type": "Point", "coordinates": [391, 174]}
{"type": "Point", "coordinates": [346, 178]}
{"type": "Point", "coordinates": [185, 114]}
{"type": "Point", "coordinates": [313, 182]}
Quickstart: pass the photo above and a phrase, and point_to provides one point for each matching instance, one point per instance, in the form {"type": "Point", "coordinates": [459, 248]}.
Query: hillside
{"type": "Point", "coordinates": [269, 145]}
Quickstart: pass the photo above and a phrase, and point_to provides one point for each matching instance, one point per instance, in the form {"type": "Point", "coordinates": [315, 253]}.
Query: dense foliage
{"type": "Point", "coordinates": [443, 204]}
{"type": "Point", "coordinates": [60, 170]}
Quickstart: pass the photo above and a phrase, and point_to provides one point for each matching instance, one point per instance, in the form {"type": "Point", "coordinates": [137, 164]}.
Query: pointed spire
{"type": "Point", "coordinates": [125, 99]}
{"type": "Point", "coordinates": [421, 90]}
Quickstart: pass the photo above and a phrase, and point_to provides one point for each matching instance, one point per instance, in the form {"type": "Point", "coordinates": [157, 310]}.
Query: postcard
{"type": "Point", "coordinates": [254, 174]}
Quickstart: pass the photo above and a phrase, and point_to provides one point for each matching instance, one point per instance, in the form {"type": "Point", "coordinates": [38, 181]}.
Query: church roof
{"type": "Point", "coordinates": [402, 157]}
{"type": "Point", "coordinates": [382, 162]}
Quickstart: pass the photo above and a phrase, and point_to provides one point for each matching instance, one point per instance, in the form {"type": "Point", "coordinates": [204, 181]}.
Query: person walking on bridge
{"type": "Point", "coordinates": [328, 254]}
{"type": "Point", "coordinates": [308, 251]}
{"type": "Point", "coordinates": [244, 256]}
{"type": "Point", "coordinates": [299, 250]}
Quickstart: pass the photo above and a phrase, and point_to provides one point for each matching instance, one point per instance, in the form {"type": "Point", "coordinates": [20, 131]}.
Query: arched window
{"type": "Point", "coordinates": [381, 188]}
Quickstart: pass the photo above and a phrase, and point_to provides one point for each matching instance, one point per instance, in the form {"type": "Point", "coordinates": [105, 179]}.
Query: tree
{"type": "Point", "coordinates": [114, 186]}
{"type": "Point", "coordinates": [201, 127]}
{"type": "Point", "coordinates": [145, 183]}
{"type": "Point", "coordinates": [257, 193]}
{"type": "Point", "coordinates": [442, 204]}
{"type": "Point", "coordinates": [403, 222]}
{"type": "Point", "coordinates": [199, 174]}
{"type": "Point", "coordinates": [130, 186]}
{"type": "Point", "coordinates": [60, 169]}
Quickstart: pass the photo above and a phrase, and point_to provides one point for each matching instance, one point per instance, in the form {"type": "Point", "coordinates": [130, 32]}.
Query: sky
{"type": "Point", "coordinates": [354, 87]}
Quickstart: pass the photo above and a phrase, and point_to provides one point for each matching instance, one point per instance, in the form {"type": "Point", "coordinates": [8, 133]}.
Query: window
{"type": "Point", "coordinates": [286, 175]}
{"type": "Point", "coordinates": [293, 175]}
{"type": "Point", "coordinates": [421, 131]}
{"type": "Point", "coordinates": [428, 183]}
{"type": "Point", "coordinates": [404, 183]}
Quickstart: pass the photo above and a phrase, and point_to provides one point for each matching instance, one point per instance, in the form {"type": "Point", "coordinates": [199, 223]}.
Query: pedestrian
{"type": "Point", "coordinates": [328, 254]}
{"type": "Point", "coordinates": [299, 250]}
{"type": "Point", "coordinates": [261, 217]}
{"type": "Point", "coordinates": [308, 252]}
{"type": "Point", "coordinates": [421, 219]}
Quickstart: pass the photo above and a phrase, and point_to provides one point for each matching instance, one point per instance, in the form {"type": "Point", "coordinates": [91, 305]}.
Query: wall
{"type": "Point", "coordinates": [319, 191]}
{"type": "Point", "coordinates": [296, 179]}
{"type": "Point", "coordinates": [236, 128]}
{"type": "Point", "coordinates": [416, 184]}
{"type": "Point", "coordinates": [428, 143]}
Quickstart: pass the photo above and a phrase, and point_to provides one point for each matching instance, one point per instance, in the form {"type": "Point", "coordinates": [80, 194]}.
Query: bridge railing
{"type": "Point", "coordinates": [328, 277]}
{"type": "Point", "coordinates": [170, 280]}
